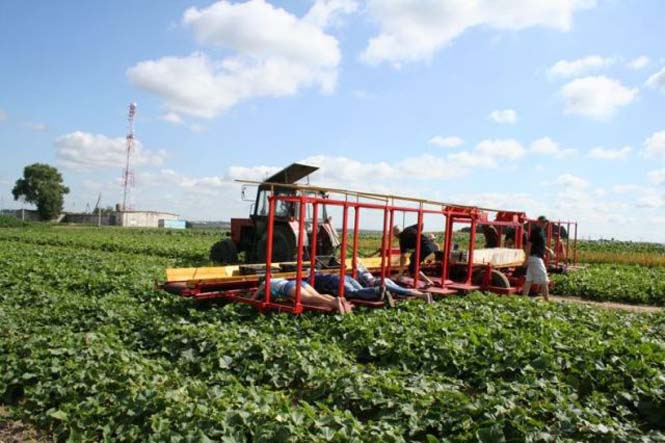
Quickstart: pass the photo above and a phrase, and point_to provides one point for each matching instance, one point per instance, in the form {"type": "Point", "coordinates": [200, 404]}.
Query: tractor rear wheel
{"type": "Point", "coordinates": [283, 246]}
{"type": "Point", "coordinates": [497, 278]}
{"type": "Point", "coordinates": [224, 252]}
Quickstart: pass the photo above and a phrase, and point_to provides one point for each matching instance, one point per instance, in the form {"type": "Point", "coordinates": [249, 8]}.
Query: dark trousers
{"type": "Point", "coordinates": [425, 250]}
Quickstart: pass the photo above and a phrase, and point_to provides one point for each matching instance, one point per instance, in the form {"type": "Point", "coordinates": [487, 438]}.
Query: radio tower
{"type": "Point", "coordinates": [128, 174]}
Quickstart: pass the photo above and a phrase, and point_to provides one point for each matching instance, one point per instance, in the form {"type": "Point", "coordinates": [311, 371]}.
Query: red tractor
{"type": "Point", "coordinates": [250, 236]}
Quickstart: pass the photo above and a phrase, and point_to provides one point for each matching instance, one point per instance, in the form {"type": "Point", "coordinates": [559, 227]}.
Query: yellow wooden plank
{"type": "Point", "coordinates": [233, 271]}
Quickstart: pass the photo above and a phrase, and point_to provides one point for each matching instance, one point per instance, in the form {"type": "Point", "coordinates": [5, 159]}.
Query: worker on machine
{"type": "Point", "coordinates": [536, 247]}
{"type": "Point", "coordinates": [368, 280]}
{"type": "Point", "coordinates": [510, 238]}
{"type": "Point", "coordinates": [407, 242]}
{"type": "Point", "coordinates": [491, 236]}
{"type": "Point", "coordinates": [283, 290]}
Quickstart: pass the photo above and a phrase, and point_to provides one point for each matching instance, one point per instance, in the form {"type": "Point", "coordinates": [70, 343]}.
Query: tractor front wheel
{"type": "Point", "coordinates": [224, 252]}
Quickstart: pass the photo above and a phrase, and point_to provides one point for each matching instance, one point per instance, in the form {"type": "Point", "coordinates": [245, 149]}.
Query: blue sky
{"type": "Point", "coordinates": [547, 106]}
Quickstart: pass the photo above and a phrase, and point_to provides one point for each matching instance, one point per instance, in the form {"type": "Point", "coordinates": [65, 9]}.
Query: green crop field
{"type": "Point", "coordinates": [89, 351]}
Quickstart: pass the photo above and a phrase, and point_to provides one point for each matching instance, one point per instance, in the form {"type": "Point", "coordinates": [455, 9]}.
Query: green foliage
{"type": "Point", "coordinates": [10, 222]}
{"type": "Point", "coordinates": [624, 283]}
{"type": "Point", "coordinates": [90, 352]}
{"type": "Point", "coordinates": [43, 186]}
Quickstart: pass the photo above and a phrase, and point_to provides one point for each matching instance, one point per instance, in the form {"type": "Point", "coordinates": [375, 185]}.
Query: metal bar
{"type": "Point", "coordinates": [568, 242]}
{"type": "Point", "coordinates": [558, 242]}
{"type": "Point", "coordinates": [472, 247]}
{"type": "Point", "coordinates": [384, 242]}
{"type": "Point", "coordinates": [444, 263]}
{"type": "Point", "coordinates": [363, 194]}
{"type": "Point", "coordinates": [271, 223]}
{"type": "Point", "coordinates": [549, 242]}
{"type": "Point", "coordinates": [575, 246]}
{"type": "Point", "coordinates": [419, 236]}
{"type": "Point", "coordinates": [342, 259]}
{"type": "Point", "coordinates": [312, 247]}
{"type": "Point", "coordinates": [301, 242]}
{"type": "Point", "coordinates": [356, 232]}
{"type": "Point", "coordinates": [447, 242]}
{"type": "Point", "coordinates": [332, 202]}
{"type": "Point", "coordinates": [390, 241]}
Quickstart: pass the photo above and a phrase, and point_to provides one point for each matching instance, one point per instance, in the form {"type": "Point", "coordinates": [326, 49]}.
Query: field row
{"type": "Point", "coordinates": [93, 353]}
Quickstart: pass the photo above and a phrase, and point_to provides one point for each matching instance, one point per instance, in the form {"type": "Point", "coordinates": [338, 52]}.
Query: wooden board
{"type": "Point", "coordinates": [232, 272]}
{"type": "Point", "coordinates": [497, 257]}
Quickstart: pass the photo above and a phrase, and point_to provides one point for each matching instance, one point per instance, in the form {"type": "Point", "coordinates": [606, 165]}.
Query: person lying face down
{"type": "Point", "coordinates": [329, 284]}
{"type": "Point", "coordinates": [367, 279]}
{"type": "Point", "coordinates": [283, 290]}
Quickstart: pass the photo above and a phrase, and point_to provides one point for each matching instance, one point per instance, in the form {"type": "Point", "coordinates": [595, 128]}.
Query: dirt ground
{"type": "Point", "coordinates": [12, 431]}
{"type": "Point", "coordinates": [606, 305]}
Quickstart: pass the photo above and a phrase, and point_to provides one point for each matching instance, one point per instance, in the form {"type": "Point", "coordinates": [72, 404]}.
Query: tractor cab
{"type": "Point", "coordinates": [250, 235]}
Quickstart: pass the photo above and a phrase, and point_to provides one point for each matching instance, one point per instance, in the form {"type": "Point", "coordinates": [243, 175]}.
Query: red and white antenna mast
{"type": "Point", "coordinates": [127, 173]}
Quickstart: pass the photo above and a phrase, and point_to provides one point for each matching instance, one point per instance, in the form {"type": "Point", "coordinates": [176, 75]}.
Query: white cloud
{"type": "Point", "coordinates": [610, 154]}
{"type": "Point", "coordinates": [346, 172]}
{"type": "Point", "coordinates": [574, 68]}
{"type": "Point", "coordinates": [504, 116]}
{"type": "Point", "coordinates": [258, 29]}
{"type": "Point", "coordinates": [446, 142]}
{"type": "Point", "coordinates": [37, 127]}
{"type": "Point", "coordinates": [657, 81]}
{"type": "Point", "coordinates": [326, 12]}
{"type": "Point", "coordinates": [510, 149]}
{"type": "Point", "coordinates": [172, 117]}
{"type": "Point", "coordinates": [427, 166]}
{"type": "Point", "coordinates": [487, 154]}
{"type": "Point", "coordinates": [197, 128]}
{"type": "Point", "coordinates": [638, 63]}
{"type": "Point", "coordinates": [654, 146]}
{"type": "Point", "coordinates": [596, 97]}
{"type": "Point", "coordinates": [547, 146]}
{"type": "Point", "coordinates": [206, 185]}
{"type": "Point", "coordinates": [413, 30]}
{"type": "Point", "coordinates": [275, 54]}
{"type": "Point", "coordinates": [629, 189]}
{"type": "Point", "coordinates": [657, 176]}
{"type": "Point", "coordinates": [84, 151]}
{"type": "Point", "coordinates": [251, 173]}
{"type": "Point", "coordinates": [651, 200]}
{"type": "Point", "coordinates": [472, 160]}
{"type": "Point", "coordinates": [571, 181]}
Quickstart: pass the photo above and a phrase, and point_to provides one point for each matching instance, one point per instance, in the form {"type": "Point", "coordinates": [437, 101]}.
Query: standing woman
{"type": "Point", "coordinates": [535, 250]}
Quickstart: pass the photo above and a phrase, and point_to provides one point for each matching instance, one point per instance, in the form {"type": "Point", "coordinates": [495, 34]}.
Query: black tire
{"type": "Point", "coordinates": [224, 252]}
{"type": "Point", "coordinates": [497, 278]}
{"type": "Point", "coordinates": [283, 246]}
{"type": "Point", "coordinates": [324, 243]}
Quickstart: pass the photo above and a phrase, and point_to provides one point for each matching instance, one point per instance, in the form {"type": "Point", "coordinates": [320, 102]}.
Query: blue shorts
{"type": "Point", "coordinates": [280, 289]}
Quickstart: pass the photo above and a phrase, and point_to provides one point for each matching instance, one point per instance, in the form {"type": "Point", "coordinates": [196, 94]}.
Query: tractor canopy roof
{"type": "Point", "coordinates": [291, 174]}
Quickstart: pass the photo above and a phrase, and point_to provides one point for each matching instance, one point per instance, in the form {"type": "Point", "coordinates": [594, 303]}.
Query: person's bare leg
{"type": "Point", "coordinates": [526, 289]}
{"type": "Point", "coordinates": [426, 278]}
{"type": "Point", "coordinates": [546, 291]}
{"type": "Point", "coordinates": [311, 297]}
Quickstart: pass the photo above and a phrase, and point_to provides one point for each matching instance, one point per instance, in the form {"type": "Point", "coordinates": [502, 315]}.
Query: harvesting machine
{"type": "Point", "coordinates": [289, 232]}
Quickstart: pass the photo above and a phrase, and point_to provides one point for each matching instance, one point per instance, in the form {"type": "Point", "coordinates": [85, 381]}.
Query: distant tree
{"type": "Point", "coordinates": [42, 186]}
